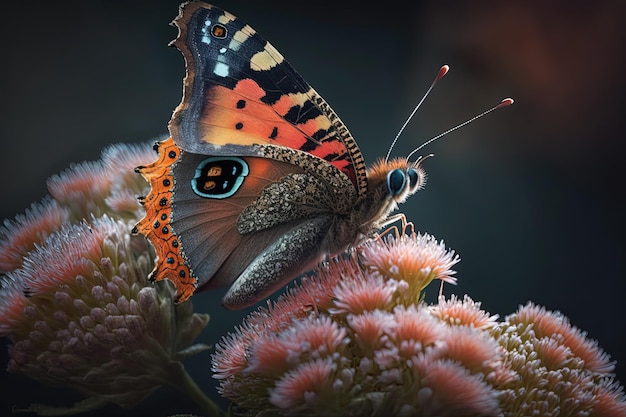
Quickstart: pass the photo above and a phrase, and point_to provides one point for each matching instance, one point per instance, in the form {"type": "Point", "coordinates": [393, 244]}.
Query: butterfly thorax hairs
{"type": "Point", "coordinates": [390, 183]}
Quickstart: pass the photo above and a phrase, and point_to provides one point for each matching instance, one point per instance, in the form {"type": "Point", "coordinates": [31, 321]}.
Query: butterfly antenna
{"type": "Point", "coordinates": [442, 71]}
{"type": "Point", "coordinates": [503, 103]}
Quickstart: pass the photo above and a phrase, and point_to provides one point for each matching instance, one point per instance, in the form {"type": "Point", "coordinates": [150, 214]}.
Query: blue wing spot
{"type": "Point", "coordinates": [219, 177]}
{"type": "Point", "coordinates": [205, 28]}
{"type": "Point", "coordinates": [221, 69]}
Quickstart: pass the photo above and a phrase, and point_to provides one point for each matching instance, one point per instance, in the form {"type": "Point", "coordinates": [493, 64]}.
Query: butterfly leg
{"type": "Point", "coordinates": [405, 226]}
{"type": "Point", "coordinates": [292, 254]}
{"type": "Point", "coordinates": [403, 222]}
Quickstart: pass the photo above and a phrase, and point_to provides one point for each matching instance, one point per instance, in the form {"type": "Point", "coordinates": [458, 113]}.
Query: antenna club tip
{"type": "Point", "coordinates": [442, 71]}
{"type": "Point", "coordinates": [505, 102]}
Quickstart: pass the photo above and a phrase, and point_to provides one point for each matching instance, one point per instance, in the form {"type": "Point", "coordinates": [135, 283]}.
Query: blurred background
{"type": "Point", "coordinates": [531, 197]}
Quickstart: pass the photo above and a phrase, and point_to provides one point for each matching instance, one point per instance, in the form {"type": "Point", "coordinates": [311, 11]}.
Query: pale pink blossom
{"type": "Point", "coordinates": [610, 400]}
{"type": "Point", "coordinates": [414, 329]}
{"type": "Point", "coordinates": [463, 313]}
{"type": "Point", "coordinates": [304, 339]}
{"type": "Point", "coordinates": [449, 389]}
{"type": "Point", "coordinates": [371, 328]}
{"type": "Point", "coordinates": [83, 188]}
{"type": "Point", "coordinates": [363, 294]}
{"type": "Point", "coordinates": [19, 236]}
{"type": "Point", "coordinates": [554, 324]}
{"type": "Point", "coordinates": [416, 259]}
{"type": "Point", "coordinates": [231, 354]}
{"type": "Point", "coordinates": [310, 383]}
{"type": "Point", "coordinates": [473, 348]}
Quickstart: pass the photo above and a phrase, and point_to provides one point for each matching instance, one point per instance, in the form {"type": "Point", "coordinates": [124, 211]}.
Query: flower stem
{"type": "Point", "coordinates": [183, 381]}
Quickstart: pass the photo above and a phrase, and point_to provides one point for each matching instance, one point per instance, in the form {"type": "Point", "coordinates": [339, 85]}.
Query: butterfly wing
{"type": "Point", "coordinates": [239, 91]}
{"type": "Point", "coordinates": [257, 162]}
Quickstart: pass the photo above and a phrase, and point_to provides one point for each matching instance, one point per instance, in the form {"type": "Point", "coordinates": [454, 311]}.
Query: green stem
{"type": "Point", "coordinates": [185, 383]}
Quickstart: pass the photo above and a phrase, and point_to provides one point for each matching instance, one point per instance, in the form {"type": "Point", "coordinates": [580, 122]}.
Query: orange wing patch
{"type": "Point", "coordinates": [156, 223]}
{"type": "Point", "coordinates": [239, 116]}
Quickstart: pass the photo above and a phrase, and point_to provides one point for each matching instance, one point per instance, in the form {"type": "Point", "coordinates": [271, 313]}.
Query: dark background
{"type": "Point", "coordinates": [530, 197]}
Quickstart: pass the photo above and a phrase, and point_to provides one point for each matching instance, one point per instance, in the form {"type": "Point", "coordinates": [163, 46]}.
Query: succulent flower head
{"type": "Point", "coordinates": [357, 339]}
{"type": "Point", "coordinates": [77, 306]}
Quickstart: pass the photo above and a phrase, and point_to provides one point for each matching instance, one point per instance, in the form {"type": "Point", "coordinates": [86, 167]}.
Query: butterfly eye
{"type": "Point", "coordinates": [414, 177]}
{"type": "Point", "coordinates": [417, 179]}
{"type": "Point", "coordinates": [396, 180]}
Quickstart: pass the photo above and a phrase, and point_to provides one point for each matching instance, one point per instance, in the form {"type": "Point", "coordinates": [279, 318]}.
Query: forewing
{"type": "Point", "coordinates": [239, 92]}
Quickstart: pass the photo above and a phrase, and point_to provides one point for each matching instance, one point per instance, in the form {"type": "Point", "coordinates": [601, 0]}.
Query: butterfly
{"type": "Point", "coordinates": [260, 180]}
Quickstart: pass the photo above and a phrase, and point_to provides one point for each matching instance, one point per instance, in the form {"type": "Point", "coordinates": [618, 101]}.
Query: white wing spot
{"type": "Point", "coordinates": [205, 30]}
{"type": "Point", "coordinates": [221, 69]}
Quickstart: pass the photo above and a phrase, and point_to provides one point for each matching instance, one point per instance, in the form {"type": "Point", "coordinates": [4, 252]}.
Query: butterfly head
{"type": "Point", "coordinates": [396, 179]}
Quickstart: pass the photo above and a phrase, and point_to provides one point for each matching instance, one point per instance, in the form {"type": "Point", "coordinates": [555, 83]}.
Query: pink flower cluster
{"type": "Point", "coordinates": [75, 300]}
{"type": "Point", "coordinates": [356, 339]}
{"type": "Point", "coordinates": [85, 191]}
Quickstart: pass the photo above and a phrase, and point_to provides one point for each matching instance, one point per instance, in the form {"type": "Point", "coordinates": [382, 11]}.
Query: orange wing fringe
{"type": "Point", "coordinates": [170, 263]}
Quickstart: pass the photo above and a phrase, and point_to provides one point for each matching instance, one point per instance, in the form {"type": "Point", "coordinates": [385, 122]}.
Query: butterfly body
{"type": "Point", "coordinates": [260, 178]}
